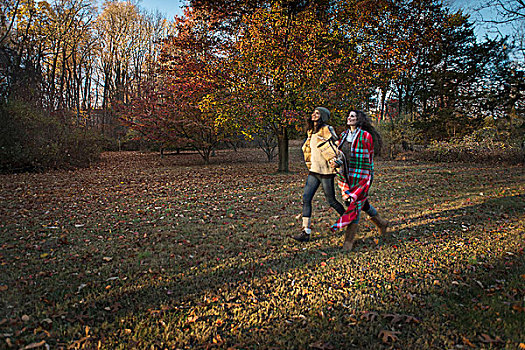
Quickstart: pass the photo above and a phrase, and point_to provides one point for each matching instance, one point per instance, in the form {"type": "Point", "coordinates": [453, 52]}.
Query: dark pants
{"type": "Point", "coordinates": [367, 208]}
{"type": "Point", "coordinates": [312, 184]}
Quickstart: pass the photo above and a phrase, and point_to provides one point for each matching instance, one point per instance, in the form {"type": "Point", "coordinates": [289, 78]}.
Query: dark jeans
{"type": "Point", "coordinates": [367, 208]}
{"type": "Point", "coordinates": [312, 184]}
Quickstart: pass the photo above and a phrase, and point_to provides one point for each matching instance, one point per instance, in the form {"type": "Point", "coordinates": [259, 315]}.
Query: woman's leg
{"type": "Point", "coordinates": [350, 233]}
{"type": "Point", "coordinates": [381, 223]}
{"type": "Point", "coordinates": [311, 186]}
{"type": "Point", "coordinates": [329, 193]}
{"type": "Point", "coordinates": [369, 209]}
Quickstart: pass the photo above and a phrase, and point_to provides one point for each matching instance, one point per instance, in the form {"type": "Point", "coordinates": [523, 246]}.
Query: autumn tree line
{"type": "Point", "coordinates": [76, 79]}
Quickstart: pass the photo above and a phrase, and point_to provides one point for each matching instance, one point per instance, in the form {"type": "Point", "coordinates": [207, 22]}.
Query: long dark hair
{"type": "Point", "coordinates": [311, 126]}
{"type": "Point", "coordinates": [364, 122]}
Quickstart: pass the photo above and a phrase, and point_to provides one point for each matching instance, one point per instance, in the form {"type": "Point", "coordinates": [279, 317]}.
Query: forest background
{"type": "Point", "coordinates": [77, 78]}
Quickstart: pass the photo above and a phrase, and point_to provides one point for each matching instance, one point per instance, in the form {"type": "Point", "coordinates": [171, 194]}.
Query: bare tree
{"type": "Point", "coordinates": [508, 13]}
{"type": "Point", "coordinates": [127, 38]}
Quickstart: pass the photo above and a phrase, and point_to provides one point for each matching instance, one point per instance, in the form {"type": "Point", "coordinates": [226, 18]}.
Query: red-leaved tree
{"type": "Point", "coordinates": [187, 70]}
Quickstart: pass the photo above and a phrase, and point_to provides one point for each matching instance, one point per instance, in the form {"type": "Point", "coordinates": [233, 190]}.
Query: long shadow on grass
{"type": "Point", "coordinates": [500, 205]}
{"type": "Point", "coordinates": [440, 317]}
{"type": "Point", "coordinates": [188, 291]}
{"type": "Point", "coordinates": [301, 257]}
{"type": "Point", "coordinates": [445, 223]}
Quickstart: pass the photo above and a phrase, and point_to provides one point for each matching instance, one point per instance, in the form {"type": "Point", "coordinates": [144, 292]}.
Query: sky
{"type": "Point", "coordinates": [170, 8]}
{"type": "Point", "coordinates": [481, 29]}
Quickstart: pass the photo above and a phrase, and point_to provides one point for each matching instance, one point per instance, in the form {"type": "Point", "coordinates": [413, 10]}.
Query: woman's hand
{"type": "Point", "coordinates": [334, 163]}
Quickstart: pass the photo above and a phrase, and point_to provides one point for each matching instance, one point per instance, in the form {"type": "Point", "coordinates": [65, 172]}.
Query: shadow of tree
{"type": "Point", "coordinates": [300, 294]}
{"type": "Point", "coordinates": [251, 283]}
{"type": "Point", "coordinates": [411, 319]}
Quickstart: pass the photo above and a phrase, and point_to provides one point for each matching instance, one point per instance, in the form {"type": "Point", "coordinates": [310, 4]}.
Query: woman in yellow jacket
{"type": "Point", "coordinates": [319, 149]}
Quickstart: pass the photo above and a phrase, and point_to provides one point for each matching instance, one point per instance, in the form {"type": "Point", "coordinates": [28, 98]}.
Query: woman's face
{"type": "Point", "coordinates": [352, 119]}
{"type": "Point", "coordinates": [316, 115]}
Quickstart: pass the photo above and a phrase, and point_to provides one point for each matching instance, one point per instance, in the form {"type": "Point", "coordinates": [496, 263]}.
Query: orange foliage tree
{"type": "Point", "coordinates": [282, 64]}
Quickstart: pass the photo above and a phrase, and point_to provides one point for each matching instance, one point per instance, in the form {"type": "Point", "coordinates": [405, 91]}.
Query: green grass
{"type": "Point", "coordinates": [141, 252]}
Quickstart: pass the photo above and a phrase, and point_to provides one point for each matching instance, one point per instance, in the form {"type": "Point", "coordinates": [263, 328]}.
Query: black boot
{"type": "Point", "coordinates": [302, 237]}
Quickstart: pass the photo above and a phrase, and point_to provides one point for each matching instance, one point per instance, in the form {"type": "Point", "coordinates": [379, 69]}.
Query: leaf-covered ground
{"type": "Point", "coordinates": [142, 252]}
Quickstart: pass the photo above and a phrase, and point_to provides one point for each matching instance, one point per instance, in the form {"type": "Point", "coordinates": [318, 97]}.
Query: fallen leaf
{"type": "Point", "coordinates": [321, 345]}
{"type": "Point", "coordinates": [352, 320]}
{"type": "Point", "coordinates": [395, 318]}
{"type": "Point", "coordinates": [387, 336]}
{"type": "Point", "coordinates": [411, 319]}
{"type": "Point", "coordinates": [518, 308]}
{"type": "Point", "coordinates": [34, 345]}
{"type": "Point", "coordinates": [467, 342]}
{"type": "Point", "coordinates": [192, 319]}
{"type": "Point", "coordinates": [218, 340]}
{"type": "Point", "coordinates": [485, 338]}
{"type": "Point", "coordinates": [369, 316]}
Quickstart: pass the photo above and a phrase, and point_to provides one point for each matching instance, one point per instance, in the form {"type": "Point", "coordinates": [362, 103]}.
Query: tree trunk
{"type": "Point", "coordinates": [401, 101]}
{"type": "Point", "coordinates": [62, 91]}
{"type": "Point", "coordinates": [282, 138]}
{"type": "Point", "coordinates": [383, 103]}
{"type": "Point", "coordinates": [206, 156]}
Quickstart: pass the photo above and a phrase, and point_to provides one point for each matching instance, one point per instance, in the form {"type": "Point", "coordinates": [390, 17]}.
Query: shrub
{"type": "Point", "coordinates": [81, 148]}
{"type": "Point", "coordinates": [398, 138]}
{"type": "Point", "coordinates": [31, 140]}
{"type": "Point", "coordinates": [481, 146]}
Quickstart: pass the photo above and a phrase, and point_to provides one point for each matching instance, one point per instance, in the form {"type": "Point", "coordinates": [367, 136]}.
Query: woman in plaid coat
{"type": "Point", "coordinates": [355, 175]}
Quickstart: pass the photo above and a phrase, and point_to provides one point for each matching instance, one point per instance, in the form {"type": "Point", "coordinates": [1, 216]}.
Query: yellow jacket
{"type": "Point", "coordinates": [319, 162]}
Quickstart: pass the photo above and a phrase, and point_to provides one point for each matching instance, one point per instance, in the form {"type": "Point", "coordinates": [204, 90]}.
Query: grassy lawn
{"type": "Point", "coordinates": [142, 252]}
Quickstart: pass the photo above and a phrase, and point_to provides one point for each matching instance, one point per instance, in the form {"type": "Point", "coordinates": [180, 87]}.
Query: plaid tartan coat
{"type": "Point", "coordinates": [355, 175]}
